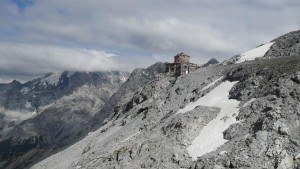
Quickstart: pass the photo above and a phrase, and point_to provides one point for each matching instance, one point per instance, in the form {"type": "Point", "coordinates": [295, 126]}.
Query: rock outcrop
{"type": "Point", "coordinates": [285, 45]}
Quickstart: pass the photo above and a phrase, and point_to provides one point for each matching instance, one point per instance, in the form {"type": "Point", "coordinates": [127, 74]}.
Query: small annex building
{"type": "Point", "coordinates": [181, 65]}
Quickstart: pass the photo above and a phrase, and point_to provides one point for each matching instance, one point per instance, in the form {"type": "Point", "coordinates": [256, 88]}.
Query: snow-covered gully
{"type": "Point", "coordinates": [211, 136]}
{"type": "Point", "coordinates": [255, 53]}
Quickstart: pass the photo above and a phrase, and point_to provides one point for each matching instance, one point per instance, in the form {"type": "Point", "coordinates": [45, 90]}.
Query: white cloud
{"type": "Point", "coordinates": [37, 59]}
{"type": "Point", "coordinates": [6, 80]}
{"type": "Point", "coordinates": [133, 31]}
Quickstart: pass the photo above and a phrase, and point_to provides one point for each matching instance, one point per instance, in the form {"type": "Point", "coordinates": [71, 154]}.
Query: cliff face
{"type": "Point", "coordinates": [241, 115]}
{"type": "Point", "coordinates": [51, 112]}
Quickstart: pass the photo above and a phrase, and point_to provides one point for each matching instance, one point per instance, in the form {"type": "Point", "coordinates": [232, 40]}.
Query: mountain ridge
{"type": "Point", "coordinates": [149, 128]}
{"type": "Point", "coordinates": [282, 46]}
{"type": "Point", "coordinates": [63, 105]}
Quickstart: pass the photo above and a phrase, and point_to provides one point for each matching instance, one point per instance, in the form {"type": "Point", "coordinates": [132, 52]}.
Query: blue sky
{"type": "Point", "coordinates": [22, 4]}
{"type": "Point", "coordinates": [37, 37]}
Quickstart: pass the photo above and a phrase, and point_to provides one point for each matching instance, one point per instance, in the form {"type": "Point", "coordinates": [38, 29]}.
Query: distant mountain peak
{"type": "Point", "coordinates": [212, 61]}
{"type": "Point", "coordinates": [66, 101]}
{"type": "Point", "coordinates": [52, 78]}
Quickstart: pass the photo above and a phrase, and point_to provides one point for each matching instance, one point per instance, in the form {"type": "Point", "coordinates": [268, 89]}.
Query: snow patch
{"type": "Point", "coordinates": [53, 79]}
{"type": "Point", "coordinates": [212, 83]}
{"type": "Point", "coordinates": [223, 152]}
{"type": "Point", "coordinates": [28, 105]}
{"type": "Point", "coordinates": [123, 79]}
{"type": "Point", "coordinates": [70, 73]}
{"type": "Point", "coordinates": [211, 136]}
{"type": "Point", "coordinates": [255, 53]}
{"type": "Point", "coordinates": [145, 73]}
{"type": "Point", "coordinates": [25, 90]}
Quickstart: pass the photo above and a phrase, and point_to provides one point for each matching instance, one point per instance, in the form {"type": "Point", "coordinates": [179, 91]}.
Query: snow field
{"type": "Point", "coordinates": [211, 136]}
{"type": "Point", "coordinates": [255, 53]}
{"type": "Point", "coordinates": [53, 79]}
{"type": "Point", "coordinates": [212, 83]}
{"type": "Point", "coordinates": [122, 77]}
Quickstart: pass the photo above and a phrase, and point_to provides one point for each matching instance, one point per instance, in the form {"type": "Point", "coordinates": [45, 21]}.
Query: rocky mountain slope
{"type": "Point", "coordinates": [285, 45]}
{"type": "Point", "coordinates": [243, 113]}
{"type": "Point", "coordinates": [51, 112]}
{"type": "Point", "coordinates": [137, 79]}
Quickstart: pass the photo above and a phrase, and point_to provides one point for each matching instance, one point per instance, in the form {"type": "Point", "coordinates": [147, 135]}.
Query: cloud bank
{"type": "Point", "coordinates": [46, 36]}
{"type": "Point", "coordinates": [17, 60]}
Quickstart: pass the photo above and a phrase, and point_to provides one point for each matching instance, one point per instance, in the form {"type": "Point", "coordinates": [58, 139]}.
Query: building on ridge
{"type": "Point", "coordinates": [181, 65]}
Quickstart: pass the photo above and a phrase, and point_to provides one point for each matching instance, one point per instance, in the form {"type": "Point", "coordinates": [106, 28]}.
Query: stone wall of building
{"type": "Point", "coordinates": [181, 58]}
{"type": "Point", "coordinates": [181, 65]}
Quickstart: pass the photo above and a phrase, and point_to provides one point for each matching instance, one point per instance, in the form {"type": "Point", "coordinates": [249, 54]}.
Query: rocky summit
{"type": "Point", "coordinates": [242, 113]}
